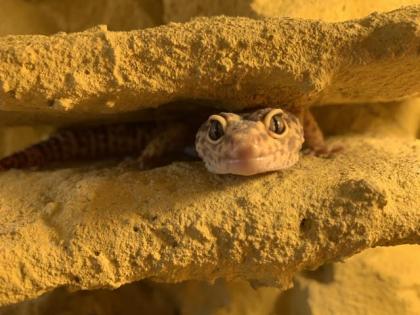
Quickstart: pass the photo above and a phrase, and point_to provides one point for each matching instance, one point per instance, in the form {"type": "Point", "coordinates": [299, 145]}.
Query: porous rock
{"type": "Point", "coordinates": [379, 281]}
{"type": "Point", "coordinates": [327, 10]}
{"type": "Point", "coordinates": [103, 227]}
{"type": "Point", "coordinates": [92, 74]}
{"type": "Point", "coordinates": [49, 16]}
{"type": "Point", "coordinates": [368, 283]}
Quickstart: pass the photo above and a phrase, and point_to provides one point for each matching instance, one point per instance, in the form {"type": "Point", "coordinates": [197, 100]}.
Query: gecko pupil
{"type": "Point", "coordinates": [277, 125]}
{"type": "Point", "coordinates": [216, 130]}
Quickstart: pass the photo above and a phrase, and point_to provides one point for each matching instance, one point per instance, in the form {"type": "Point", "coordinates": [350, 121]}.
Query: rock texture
{"type": "Point", "coordinates": [104, 225]}
{"type": "Point", "coordinates": [50, 16]}
{"type": "Point", "coordinates": [273, 61]}
{"type": "Point", "coordinates": [120, 15]}
{"type": "Point", "coordinates": [90, 228]}
{"type": "Point", "coordinates": [328, 10]}
{"type": "Point", "coordinates": [23, 17]}
{"type": "Point", "coordinates": [380, 281]}
{"type": "Point", "coordinates": [400, 119]}
{"type": "Point", "coordinates": [368, 283]}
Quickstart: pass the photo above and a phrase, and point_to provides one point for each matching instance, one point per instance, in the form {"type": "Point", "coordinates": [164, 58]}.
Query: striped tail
{"type": "Point", "coordinates": [81, 144]}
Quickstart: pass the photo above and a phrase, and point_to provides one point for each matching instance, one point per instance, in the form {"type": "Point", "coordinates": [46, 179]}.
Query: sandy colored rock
{"type": "Point", "coordinates": [180, 222]}
{"type": "Point", "coordinates": [183, 11]}
{"type": "Point", "coordinates": [50, 16]}
{"type": "Point", "coordinates": [148, 298]}
{"type": "Point", "coordinates": [24, 17]}
{"type": "Point", "coordinates": [103, 226]}
{"type": "Point", "coordinates": [274, 61]}
{"type": "Point", "coordinates": [367, 283]}
{"type": "Point", "coordinates": [133, 299]}
{"type": "Point", "coordinates": [329, 10]}
{"type": "Point", "coordinates": [119, 15]}
{"type": "Point", "coordinates": [380, 281]}
{"type": "Point", "coordinates": [13, 139]}
{"type": "Point", "coordinates": [400, 119]}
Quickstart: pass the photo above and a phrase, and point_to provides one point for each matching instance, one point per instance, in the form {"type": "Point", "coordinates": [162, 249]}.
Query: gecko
{"type": "Point", "coordinates": [249, 143]}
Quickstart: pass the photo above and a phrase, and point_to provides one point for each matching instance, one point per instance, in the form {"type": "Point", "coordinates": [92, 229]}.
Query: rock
{"type": "Point", "coordinates": [400, 119]}
{"type": "Point", "coordinates": [120, 15]}
{"type": "Point", "coordinates": [102, 227]}
{"type": "Point", "coordinates": [369, 283]}
{"type": "Point", "coordinates": [329, 10]}
{"type": "Point", "coordinates": [74, 77]}
{"type": "Point", "coordinates": [24, 17]}
{"type": "Point", "coordinates": [49, 16]}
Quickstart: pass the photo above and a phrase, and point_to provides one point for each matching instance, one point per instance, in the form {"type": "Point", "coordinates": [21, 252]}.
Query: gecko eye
{"type": "Point", "coordinates": [275, 123]}
{"type": "Point", "coordinates": [216, 130]}
{"type": "Point", "coordinates": [217, 127]}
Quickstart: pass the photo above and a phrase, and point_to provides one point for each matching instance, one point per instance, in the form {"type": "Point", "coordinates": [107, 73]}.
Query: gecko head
{"type": "Point", "coordinates": [261, 141]}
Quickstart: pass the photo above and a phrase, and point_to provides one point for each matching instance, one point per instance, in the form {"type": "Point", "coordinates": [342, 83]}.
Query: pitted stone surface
{"type": "Point", "coordinates": [101, 227]}
{"type": "Point", "coordinates": [91, 228]}
{"type": "Point", "coordinates": [82, 76]}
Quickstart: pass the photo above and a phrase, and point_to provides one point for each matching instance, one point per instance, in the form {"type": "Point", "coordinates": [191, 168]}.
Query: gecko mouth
{"type": "Point", "coordinates": [252, 166]}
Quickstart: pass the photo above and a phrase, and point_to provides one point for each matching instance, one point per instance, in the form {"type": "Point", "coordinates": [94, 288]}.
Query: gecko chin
{"type": "Point", "coordinates": [252, 166]}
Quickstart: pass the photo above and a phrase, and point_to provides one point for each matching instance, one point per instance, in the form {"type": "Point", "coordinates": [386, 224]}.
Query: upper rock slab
{"type": "Point", "coordinates": [233, 62]}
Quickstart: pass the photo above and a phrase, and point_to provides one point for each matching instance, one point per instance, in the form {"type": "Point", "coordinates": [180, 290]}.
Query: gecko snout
{"type": "Point", "coordinates": [242, 145]}
{"type": "Point", "coordinates": [245, 151]}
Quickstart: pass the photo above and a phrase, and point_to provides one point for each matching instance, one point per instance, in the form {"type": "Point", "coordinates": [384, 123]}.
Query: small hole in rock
{"type": "Point", "coordinates": [77, 279]}
{"type": "Point", "coordinates": [305, 225]}
{"type": "Point", "coordinates": [87, 72]}
{"type": "Point", "coordinates": [136, 229]}
{"type": "Point", "coordinates": [97, 253]}
{"type": "Point", "coordinates": [50, 103]}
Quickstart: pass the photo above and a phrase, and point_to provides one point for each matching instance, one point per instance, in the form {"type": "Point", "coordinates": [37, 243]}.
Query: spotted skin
{"type": "Point", "coordinates": [248, 146]}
